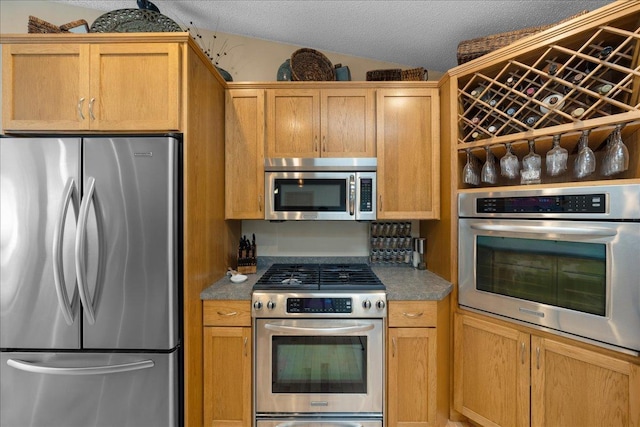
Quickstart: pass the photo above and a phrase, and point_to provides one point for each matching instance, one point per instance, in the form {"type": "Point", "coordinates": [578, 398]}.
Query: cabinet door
{"type": "Point", "coordinates": [244, 154]}
{"type": "Point", "coordinates": [491, 373]}
{"type": "Point", "coordinates": [408, 154]}
{"type": "Point", "coordinates": [135, 86]}
{"type": "Point", "coordinates": [227, 376]}
{"type": "Point", "coordinates": [45, 87]}
{"type": "Point", "coordinates": [293, 123]}
{"type": "Point", "coordinates": [347, 123]}
{"type": "Point", "coordinates": [574, 386]}
{"type": "Point", "coordinates": [411, 400]}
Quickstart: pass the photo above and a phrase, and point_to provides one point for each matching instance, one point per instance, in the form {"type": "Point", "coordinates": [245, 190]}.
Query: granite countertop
{"type": "Point", "coordinates": [402, 281]}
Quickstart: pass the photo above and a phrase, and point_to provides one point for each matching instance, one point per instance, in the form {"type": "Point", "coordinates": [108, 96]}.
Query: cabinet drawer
{"type": "Point", "coordinates": [417, 314]}
{"type": "Point", "coordinates": [226, 313]}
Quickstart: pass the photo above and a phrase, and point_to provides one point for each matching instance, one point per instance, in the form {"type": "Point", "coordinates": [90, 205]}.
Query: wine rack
{"type": "Point", "coordinates": [589, 80]}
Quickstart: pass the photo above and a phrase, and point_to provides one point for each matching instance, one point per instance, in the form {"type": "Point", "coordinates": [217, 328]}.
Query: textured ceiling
{"type": "Point", "coordinates": [414, 33]}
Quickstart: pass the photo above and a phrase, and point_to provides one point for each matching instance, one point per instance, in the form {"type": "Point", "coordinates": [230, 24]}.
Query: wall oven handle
{"type": "Point", "coordinates": [556, 231]}
{"type": "Point", "coordinates": [88, 370]}
{"type": "Point", "coordinates": [308, 424]}
{"type": "Point", "coordinates": [325, 331]}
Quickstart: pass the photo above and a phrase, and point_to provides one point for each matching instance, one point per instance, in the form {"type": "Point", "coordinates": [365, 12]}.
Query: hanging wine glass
{"type": "Point", "coordinates": [616, 159]}
{"type": "Point", "coordinates": [531, 166]}
{"type": "Point", "coordinates": [556, 158]}
{"type": "Point", "coordinates": [489, 173]}
{"type": "Point", "coordinates": [585, 163]}
{"type": "Point", "coordinates": [509, 164]}
{"type": "Point", "coordinates": [470, 172]}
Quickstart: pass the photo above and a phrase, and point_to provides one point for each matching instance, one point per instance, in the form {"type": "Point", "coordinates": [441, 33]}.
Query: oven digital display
{"type": "Point", "coordinates": [319, 305]}
{"type": "Point", "coordinates": [579, 203]}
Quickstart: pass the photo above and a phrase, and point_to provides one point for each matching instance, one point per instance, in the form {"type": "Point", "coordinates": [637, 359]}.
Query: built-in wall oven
{"type": "Point", "coordinates": [562, 259]}
{"type": "Point", "coordinates": [319, 346]}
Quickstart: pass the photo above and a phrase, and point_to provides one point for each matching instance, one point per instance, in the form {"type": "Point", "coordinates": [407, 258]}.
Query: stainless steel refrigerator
{"type": "Point", "coordinates": [90, 288]}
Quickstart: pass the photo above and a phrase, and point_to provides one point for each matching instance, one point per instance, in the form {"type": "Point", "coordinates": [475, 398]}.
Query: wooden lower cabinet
{"type": "Point", "coordinates": [417, 367]}
{"type": "Point", "coordinates": [227, 363]}
{"type": "Point", "coordinates": [506, 377]}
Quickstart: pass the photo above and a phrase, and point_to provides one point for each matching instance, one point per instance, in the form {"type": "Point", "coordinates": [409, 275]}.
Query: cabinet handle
{"type": "Point", "coordinates": [324, 143]}
{"type": "Point", "coordinates": [522, 348]}
{"type": "Point", "coordinates": [380, 202]}
{"type": "Point", "coordinates": [394, 344]}
{"type": "Point", "coordinates": [246, 340]}
{"type": "Point", "coordinates": [80, 102]}
{"type": "Point", "coordinates": [315, 143]}
{"type": "Point", "coordinates": [260, 203]}
{"type": "Point", "coordinates": [91, 108]}
{"type": "Point", "coordinates": [537, 357]}
{"type": "Point", "coordinates": [413, 315]}
{"type": "Point", "coordinates": [231, 313]}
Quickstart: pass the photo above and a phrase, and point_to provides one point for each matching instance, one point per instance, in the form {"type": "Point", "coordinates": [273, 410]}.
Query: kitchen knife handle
{"type": "Point", "coordinates": [80, 102]}
{"type": "Point", "coordinates": [86, 370]}
{"type": "Point", "coordinates": [69, 195]}
{"type": "Point", "coordinates": [81, 262]}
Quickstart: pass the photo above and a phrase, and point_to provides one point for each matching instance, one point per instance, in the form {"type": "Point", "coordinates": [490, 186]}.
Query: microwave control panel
{"type": "Point", "coordinates": [366, 195]}
{"type": "Point", "coordinates": [574, 203]}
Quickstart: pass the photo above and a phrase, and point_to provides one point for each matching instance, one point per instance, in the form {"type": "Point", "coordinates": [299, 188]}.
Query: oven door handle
{"type": "Point", "coordinates": [311, 424]}
{"type": "Point", "coordinates": [322, 331]}
{"type": "Point", "coordinates": [584, 231]}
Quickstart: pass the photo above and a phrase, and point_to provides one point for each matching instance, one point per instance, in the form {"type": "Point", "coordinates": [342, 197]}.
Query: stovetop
{"type": "Point", "coordinates": [327, 277]}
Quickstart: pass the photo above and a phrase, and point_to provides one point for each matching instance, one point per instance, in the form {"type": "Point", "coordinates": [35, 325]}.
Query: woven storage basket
{"type": "Point", "coordinates": [474, 48]}
{"type": "Point", "coordinates": [418, 74]}
{"type": "Point", "coordinates": [392, 74]}
{"type": "Point", "coordinates": [37, 25]}
{"type": "Point", "coordinates": [311, 65]}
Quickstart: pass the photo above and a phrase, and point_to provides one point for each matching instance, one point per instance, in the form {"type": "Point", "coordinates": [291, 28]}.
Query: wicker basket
{"type": "Point", "coordinates": [392, 74]}
{"type": "Point", "coordinates": [37, 25]}
{"type": "Point", "coordinates": [417, 74]}
{"type": "Point", "coordinates": [474, 48]}
{"type": "Point", "coordinates": [311, 65]}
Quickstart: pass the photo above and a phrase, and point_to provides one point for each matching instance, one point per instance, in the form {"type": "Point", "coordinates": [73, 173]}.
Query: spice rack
{"type": "Point", "coordinates": [588, 80]}
{"type": "Point", "coordinates": [390, 242]}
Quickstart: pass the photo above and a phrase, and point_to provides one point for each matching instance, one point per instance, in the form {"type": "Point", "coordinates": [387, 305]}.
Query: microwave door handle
{"type": "Point", "coordinates": [594, 232]}
{"type": "Point", "coordinates": [352, 195]}
{"type": "Point", "coordinates": [323, 331]}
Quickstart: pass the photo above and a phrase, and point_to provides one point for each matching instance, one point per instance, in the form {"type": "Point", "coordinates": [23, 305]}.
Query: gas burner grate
{"type": "Point", "coordinates": [319, 276]}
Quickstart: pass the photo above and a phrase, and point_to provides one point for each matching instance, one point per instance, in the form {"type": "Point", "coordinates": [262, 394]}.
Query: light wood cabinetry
{"type": "Point", "coordinates": [417, 369]}
{"type": "Point", "coordinates": [244, 154]}
{"type": "Point", "coordinates": [408, 143]}
{"type": "Point", "coordinates": [82, 86]}
{"type": "Point", "coordinates": [320, 122]}
{"type": "Point", "coordinates": [227, 363]}
{"type": "Point", "coordinates": [507, 377]}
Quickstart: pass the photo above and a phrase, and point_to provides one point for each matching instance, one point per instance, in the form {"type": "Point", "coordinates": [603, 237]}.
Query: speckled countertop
{"type": "Point", "coordinates": [403, 282]}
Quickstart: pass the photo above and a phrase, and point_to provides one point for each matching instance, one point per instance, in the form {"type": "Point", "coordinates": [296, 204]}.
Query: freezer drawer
{"type": "Point", "coordinates": [89, 389]}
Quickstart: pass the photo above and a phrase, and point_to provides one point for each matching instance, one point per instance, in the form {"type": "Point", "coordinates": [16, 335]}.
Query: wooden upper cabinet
{"type": "Point", "coordinates": [103, 86]}
{"type": "Point", "coordinates": [320, 123]}
{"type": "Point", "coordinates": [244, 154]}
{"type": "Point", "coordinates": [408, 153]}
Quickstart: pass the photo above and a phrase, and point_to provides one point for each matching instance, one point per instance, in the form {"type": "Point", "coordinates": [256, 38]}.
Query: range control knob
{"type": "Point", "coordinates": [380, 304]}
{"type": "Point", "coordinates": [271, 305]}
{"type": "Point", "coordinates": [366, 304]}
{"type": "Point", "coordinates": [257, 305]}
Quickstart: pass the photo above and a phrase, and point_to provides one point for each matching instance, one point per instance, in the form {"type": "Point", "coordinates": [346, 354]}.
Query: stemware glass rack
{"type": "Point", "coordinates": [587, 81]}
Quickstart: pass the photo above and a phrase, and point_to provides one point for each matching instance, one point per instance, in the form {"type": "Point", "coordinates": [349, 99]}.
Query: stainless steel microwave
{"type": "Point", "coordinates": [333, 189]}
{"type": "Point", "coordinates": [562, 259]}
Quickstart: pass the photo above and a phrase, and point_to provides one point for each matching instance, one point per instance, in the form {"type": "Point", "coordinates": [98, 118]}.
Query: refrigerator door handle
{"type": "Point", "coordinates": [69, 195]}
{"type": "Point", "coordinates": [89, 304]}
{"type": "Point", "coordinates": [85, 370]}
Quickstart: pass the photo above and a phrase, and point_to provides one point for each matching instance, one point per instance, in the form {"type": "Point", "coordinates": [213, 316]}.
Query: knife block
{"type": "Point", "coordinates": [247, 261]}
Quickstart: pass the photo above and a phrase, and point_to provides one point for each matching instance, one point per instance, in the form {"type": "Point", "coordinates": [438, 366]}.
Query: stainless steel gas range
{"type": "Point", "coordinates": [319, 346]}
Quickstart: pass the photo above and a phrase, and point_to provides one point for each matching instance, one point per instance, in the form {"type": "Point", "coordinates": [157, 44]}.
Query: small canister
{"type": "Point", "coordinates": [419, 249]}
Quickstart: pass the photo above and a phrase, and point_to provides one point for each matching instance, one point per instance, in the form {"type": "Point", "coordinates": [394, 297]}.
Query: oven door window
{"type": "Point", "coordinates": [563, 274]}
{"type": "Point", "coordinates": [319, 364]}
{"type": "Point", "coordinates": [310, 195]}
